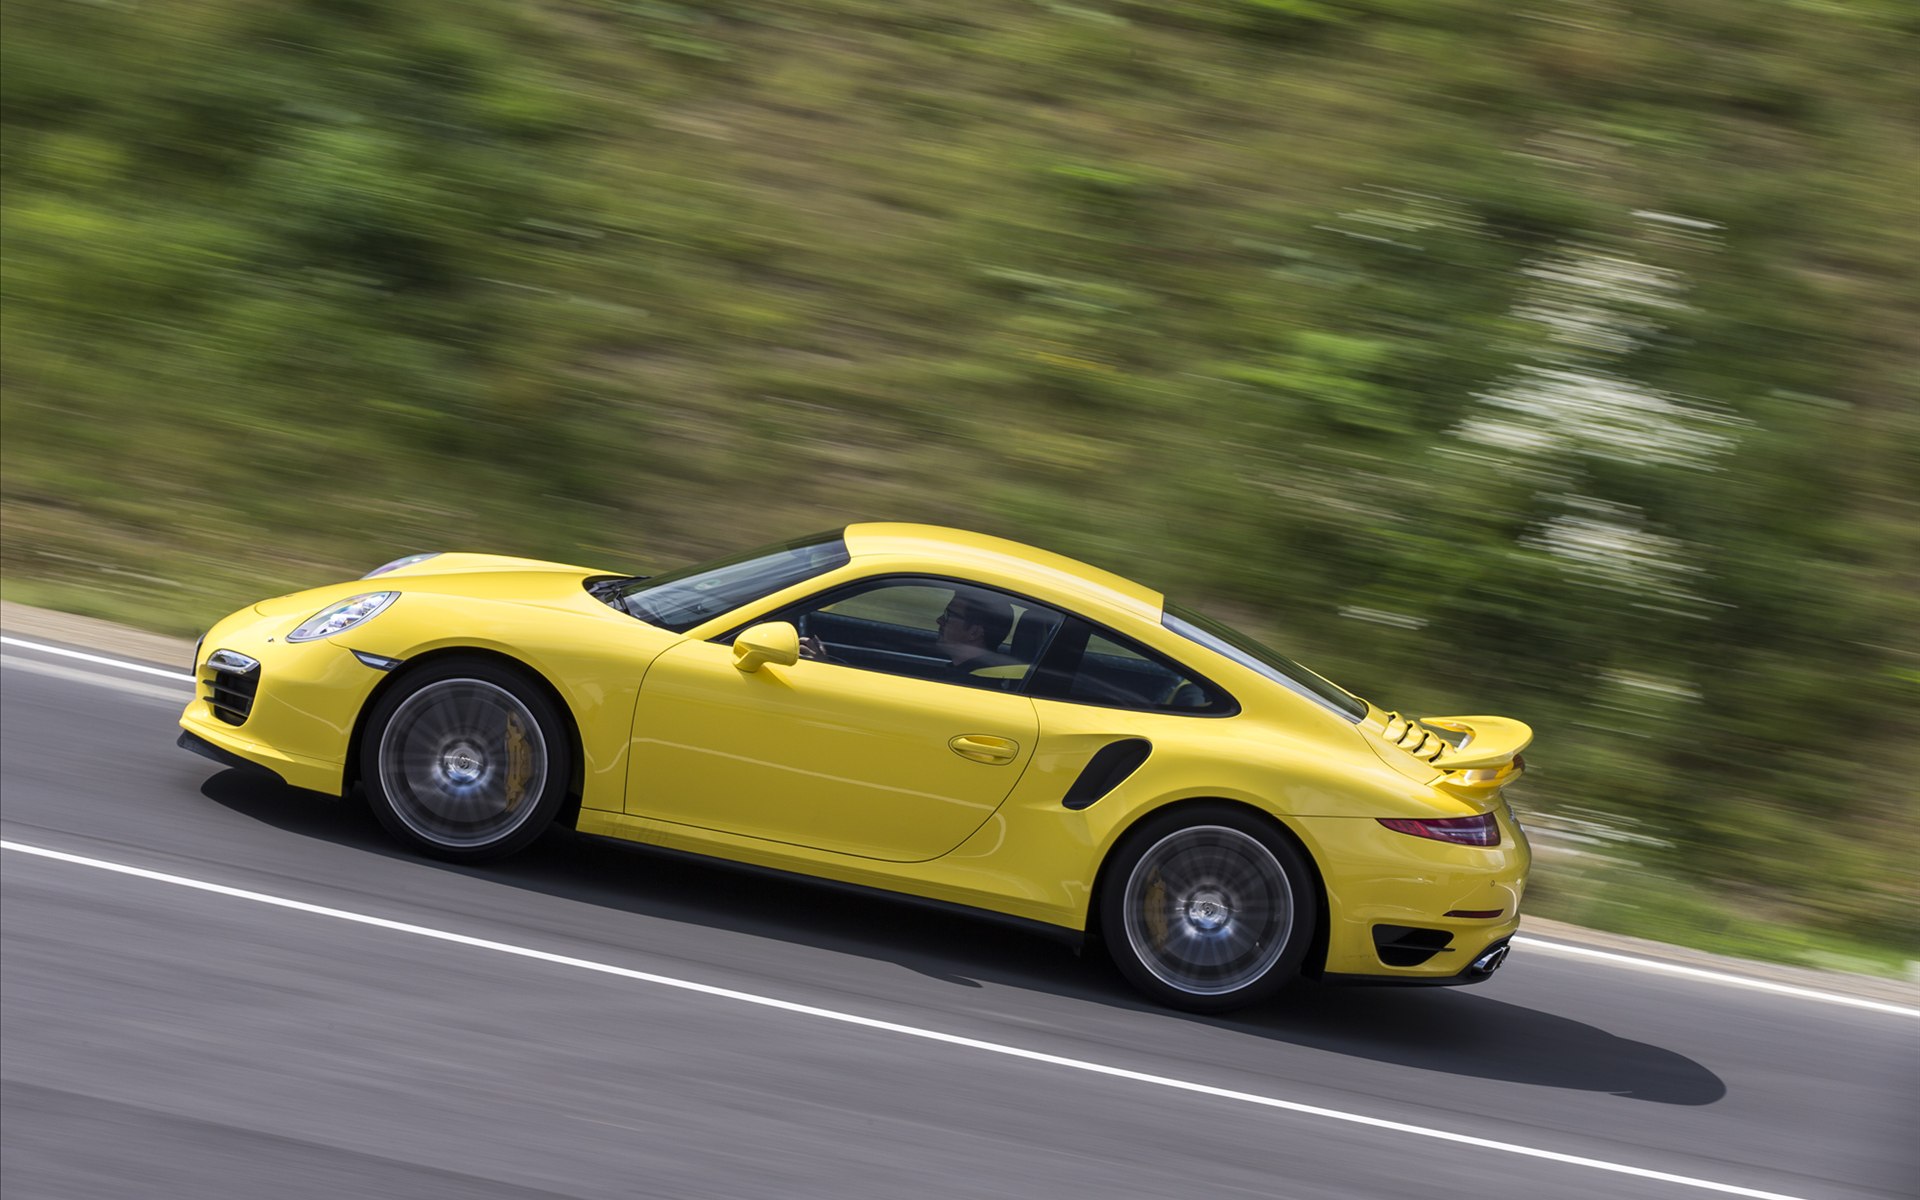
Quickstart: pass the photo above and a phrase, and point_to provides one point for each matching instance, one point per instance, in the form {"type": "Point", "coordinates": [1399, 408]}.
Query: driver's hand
{"type": "Point", "coordinates": [812, 647]}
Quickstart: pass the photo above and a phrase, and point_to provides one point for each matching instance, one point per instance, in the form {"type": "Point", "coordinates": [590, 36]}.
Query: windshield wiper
{"type": "Point", "coordinates": [608, 589]}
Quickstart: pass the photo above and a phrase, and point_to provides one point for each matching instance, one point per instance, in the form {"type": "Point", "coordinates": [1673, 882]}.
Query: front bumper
{"type": "Point", "coordinates": [305, 700]}
{"type": "Point", "coordinates": [194, 743]}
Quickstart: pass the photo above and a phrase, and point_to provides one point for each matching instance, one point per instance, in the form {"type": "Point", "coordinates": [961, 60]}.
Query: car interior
{"type": "Point", "coordinates": [892, 629]}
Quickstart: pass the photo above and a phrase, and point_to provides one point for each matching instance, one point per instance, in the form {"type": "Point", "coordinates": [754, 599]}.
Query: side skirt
{"type": "Point", "coordinates": [1075, 939]}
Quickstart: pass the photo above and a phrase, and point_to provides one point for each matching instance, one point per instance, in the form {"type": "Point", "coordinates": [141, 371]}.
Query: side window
{"type": "Point", "coordinates": [909, 606]}
{"type": "Point", "coordinates": [929, 629]}
{"type": "Point", "coordinates": [1088, 666]}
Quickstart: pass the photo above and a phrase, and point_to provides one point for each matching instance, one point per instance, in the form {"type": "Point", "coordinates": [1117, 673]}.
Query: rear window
{"type": "Point", "coordinates": [680, 600]}
{"type": "Point", "coordinates": [1231, 643]}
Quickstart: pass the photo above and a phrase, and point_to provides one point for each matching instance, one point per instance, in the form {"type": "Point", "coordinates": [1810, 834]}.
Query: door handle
{"type": "Point", "coordinates": [985, 748]}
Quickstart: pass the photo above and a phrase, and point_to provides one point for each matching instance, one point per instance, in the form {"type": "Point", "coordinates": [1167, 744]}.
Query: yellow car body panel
{"type": "Point", "coordinates": [318, 689]}
{"type": "Point", "coordinates": [819, 755]}
{"type": "Point", "coordinates": [906, 784]}
{"type": "Point", "coordinates": [593, 657]}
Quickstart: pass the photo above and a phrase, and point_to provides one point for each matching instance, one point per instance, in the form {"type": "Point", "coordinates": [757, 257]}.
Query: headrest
{"type": "Point", "coordinates": [1030, 633]}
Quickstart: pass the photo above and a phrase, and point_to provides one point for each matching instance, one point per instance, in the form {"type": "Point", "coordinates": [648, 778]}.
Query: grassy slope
{"type": "Point", "coordinates": [1200, 291]}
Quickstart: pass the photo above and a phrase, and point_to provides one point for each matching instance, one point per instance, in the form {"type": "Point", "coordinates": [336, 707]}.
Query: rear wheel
{"type": "Point", "coordinates": [1208, 909]}
{"type": "Point", "coordinates": [466, 760]}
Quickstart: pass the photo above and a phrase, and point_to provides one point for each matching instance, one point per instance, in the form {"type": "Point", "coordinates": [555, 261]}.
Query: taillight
{"type": "Point", "coordinates": [1482, 830]}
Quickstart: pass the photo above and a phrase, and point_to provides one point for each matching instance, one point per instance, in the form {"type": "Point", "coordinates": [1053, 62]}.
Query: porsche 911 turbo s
{"type": "Point", "coordinates": [942, 714]}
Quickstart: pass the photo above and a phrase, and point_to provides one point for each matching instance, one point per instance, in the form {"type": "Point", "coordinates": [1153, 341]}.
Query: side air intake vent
{"type": "Point", "coordinates": [1107, 770]}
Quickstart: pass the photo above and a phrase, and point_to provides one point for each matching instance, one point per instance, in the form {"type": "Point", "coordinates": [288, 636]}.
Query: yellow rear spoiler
{"type": "Point", "coordinates": [1484, 742]}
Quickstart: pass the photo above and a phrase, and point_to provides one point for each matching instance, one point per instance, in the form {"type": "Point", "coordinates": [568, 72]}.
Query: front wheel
{"type": "Point", "coordinates": [465, 760]}
{"type": "Point", "coordinates": [1208, 909]}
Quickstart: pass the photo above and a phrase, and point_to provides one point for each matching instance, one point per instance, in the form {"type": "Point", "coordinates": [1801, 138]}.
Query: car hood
{"type": "Point", "coordinates": [494, 577]}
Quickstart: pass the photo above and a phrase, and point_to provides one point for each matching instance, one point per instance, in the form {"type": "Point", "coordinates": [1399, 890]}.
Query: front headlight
{"type": "Point", "coordinates": [342, 616]}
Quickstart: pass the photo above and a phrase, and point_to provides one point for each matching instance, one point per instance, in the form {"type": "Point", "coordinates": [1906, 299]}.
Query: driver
{"type": "Point", "coordinates": [969, 633]}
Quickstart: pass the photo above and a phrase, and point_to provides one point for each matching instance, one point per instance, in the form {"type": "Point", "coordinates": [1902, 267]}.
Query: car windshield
{"type": "Point", "coordinates": [1233, 644]}
{"type": "Point", "coordinates": [681, 599]}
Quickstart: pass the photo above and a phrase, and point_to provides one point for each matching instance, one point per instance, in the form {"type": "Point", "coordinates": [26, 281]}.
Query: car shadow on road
{"type": "Point", "coordinates": [1462, 1032]}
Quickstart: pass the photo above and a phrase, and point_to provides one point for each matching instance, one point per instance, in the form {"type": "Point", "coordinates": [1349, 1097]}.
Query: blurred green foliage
{"type": "Point", "coordinates": [1557, 361]}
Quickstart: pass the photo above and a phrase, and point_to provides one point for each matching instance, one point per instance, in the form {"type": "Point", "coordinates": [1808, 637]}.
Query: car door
{"type": "Point", "coordinates": [881, 751]}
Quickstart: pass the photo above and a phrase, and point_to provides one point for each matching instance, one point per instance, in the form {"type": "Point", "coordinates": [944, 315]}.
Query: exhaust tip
{"type": "Point", "coordinates": [1490, 962]}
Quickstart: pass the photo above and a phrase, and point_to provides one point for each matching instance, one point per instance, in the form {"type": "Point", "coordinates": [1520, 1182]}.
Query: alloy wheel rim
{"type": "Point", "coordinates": [1208, 910]}
{"type": "Point", "coordinates": [463, 763]}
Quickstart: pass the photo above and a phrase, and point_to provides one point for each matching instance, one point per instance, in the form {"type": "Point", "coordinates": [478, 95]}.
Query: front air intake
{"type": "Point", "coordinates": [232, 681]}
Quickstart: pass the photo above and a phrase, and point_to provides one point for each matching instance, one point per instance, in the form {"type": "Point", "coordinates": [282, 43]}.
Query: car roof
{"type": "Point", "coordinates": [935, 544]}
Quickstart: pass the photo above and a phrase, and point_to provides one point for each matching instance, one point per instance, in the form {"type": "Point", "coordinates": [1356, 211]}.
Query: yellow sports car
{"type": "Point", "coordinates": [942, 714]}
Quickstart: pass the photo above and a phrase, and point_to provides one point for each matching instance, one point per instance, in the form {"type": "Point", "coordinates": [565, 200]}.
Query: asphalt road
{"type": "Point", "coordinates": [157, 1040]}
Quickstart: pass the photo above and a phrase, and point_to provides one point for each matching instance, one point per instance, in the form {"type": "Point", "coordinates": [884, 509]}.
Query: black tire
{"type": "Point", "coordinates": [465, 759]}
{"type": "Point", "coordinates": [1208, 908]}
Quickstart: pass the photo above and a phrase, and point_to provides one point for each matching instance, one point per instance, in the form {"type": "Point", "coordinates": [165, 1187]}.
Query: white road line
{"type": "Point", "coordinates": [931, 1035]}
{"type": "Point", "coordinates": [1628, 961]}
{"type": "Point", "coordinates": [133, 687]}
{"type": "Point", "coordinates": [1655, 966]}
{"type": "Point", "coordinates": [101, 659]}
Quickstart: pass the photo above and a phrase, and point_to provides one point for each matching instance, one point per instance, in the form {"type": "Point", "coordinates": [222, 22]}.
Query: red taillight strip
{"type": "Point", "coordinates": [1482, 830]}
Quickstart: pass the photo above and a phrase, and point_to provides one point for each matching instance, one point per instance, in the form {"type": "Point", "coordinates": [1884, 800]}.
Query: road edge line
{"type": "Point", "coordinates": [101, 659]}
{"type": "Point", "coordinates": [1725, 979]}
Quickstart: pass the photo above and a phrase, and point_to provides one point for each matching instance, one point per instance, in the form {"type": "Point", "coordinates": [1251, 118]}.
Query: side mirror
{"type": "Point", "coordinates": [773, 642]}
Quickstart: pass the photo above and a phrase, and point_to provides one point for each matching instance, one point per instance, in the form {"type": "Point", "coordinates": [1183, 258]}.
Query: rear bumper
{"type": "Point", "coordinates": [1479, 970]}
{"type": "Point", "coordinates": [1405, 909]}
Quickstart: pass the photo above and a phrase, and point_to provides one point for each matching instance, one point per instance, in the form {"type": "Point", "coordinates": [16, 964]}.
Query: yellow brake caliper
{"type": "Point", "coordinates": [1154, 902]}
{"type": "Point", "coordinates": [519, 761]}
